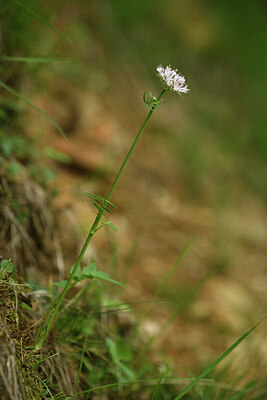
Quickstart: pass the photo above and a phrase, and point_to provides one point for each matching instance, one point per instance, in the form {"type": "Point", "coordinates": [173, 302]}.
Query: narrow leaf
{"type": "Point", "coordinates": [101, 275]}
{"type": "Point", "coordinates": [190, 297]}
{"type": "Point", "coordinates": [169, 275]}
{"type": "Point", "coordinates": [105, 277]}
{"type": "Point", "coordinates": [26, 101]}
{"type": "Point", "coordinates": [56, 155]}
{"type": "Point", "coordinates": [181, 306]}
{"type": "Point", "coordinates": [156, 391]}
{"type": "Point", "coordinates": [80, 365]}
{"type": "Point", "coordinates": [217, 361]}
{"type": "Point", "coordinates": [61, 284]}
{"type": "Point", "coordinates": [43, 20]}
{"type": "Point", "coordinates": [26, 306]}
{"type": "Point", "coordinates": [41, 60]}
{"type": "Point", "coordinates": [115, 282]}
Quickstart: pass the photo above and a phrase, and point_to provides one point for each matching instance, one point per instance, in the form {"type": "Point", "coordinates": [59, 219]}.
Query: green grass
{"type": "Point", "coordinates": [108, 361]}
{"type": "Point", "coordinates": [105, 359]}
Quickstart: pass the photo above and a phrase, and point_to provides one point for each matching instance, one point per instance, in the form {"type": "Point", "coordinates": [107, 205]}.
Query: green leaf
{"type": "Point", "coordinates": [217, 361]}
{"type": "Point", "coordinates": [26, 306]}
{"type": "Point", "coordinates": [26, 101]}
{"type": "Point", "coordinates": [123, 350]}
{"type": "Point", "coordinates": [89, 270]}
{"type": "Point", "coordinates": [8, 266]}
{"type": "Point", "coordinates": [101, 275]}
{"type": "Point", "coordinates": [56, 155]}
{"type": "Point", "coordinates": [151, 98]}
{"type": "Point", "coordinates": [105, 277]}
{"type": "Point", "coordinates": [113, 350]}
{"type": "Point", "coordinates": [60, 284]}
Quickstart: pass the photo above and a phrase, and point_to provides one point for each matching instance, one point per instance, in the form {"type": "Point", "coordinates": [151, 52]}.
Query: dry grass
{"type": "Point", "coordinates": [29, 232]}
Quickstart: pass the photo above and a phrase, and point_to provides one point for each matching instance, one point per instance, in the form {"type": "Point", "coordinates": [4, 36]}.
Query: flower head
{"type": "Point", "coordinates": [172, 80]}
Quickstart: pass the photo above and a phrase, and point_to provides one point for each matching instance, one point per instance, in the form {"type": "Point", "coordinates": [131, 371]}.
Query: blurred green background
{"type": "Point", "coordinates": [219, 135]}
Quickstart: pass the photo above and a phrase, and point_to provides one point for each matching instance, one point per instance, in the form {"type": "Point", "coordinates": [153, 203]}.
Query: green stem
{"type": "Point", "coordinates": [132, 148]}
{"type": "Point", "coordinates": [45, 327]}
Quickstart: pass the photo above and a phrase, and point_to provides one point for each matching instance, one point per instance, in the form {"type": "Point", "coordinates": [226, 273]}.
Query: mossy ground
{"type": "Point", "coordinates": [14, 318]}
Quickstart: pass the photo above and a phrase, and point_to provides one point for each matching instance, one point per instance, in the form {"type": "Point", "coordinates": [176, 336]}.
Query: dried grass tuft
{"type": "Point", "coordinates": [29, 228]}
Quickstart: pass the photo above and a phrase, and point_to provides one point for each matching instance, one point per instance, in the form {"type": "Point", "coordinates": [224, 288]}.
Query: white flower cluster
{"type": "Point", "coordinates": [172, 80]}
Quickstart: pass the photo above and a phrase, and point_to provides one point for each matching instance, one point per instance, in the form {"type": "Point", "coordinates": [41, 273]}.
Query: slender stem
{"type": "Point", "coordinates": [80, 366]}
{"type": "Point", "coordinates": [45, 327]}
{"type": "Point", "coordinates": [132, 148]}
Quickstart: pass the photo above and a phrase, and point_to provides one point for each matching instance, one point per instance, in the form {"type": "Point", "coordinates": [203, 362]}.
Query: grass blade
{"type": "Point", "coordinates": [182, 306]}
{"type": "Point", "coordinates": [129, 261]}
{"type": "Point", "coordinates": [217, 361]}
{"type": "Point", "coordinates": [156, 392]}
{"type": "Point", "coordinates": [150, 382]}
{"type": "Point", "coordinates": [47, 388]}
{"type": "Point", "coordinates": [170, 274]}
{"type": "Point", "coordinates": [143, 382]}
{"type": "Point", "coordinates": [43, 20]}
{"type": "Point", "coordinates": [80, 366]}
{"type": "Point", "coordinates": [161, 288]}
{"type": "Point", "coordinates": [26, 101]}
{"type": "Point", "coordinates": [190, 297]}
{"type": "Point", "coordinates": [41, 60]}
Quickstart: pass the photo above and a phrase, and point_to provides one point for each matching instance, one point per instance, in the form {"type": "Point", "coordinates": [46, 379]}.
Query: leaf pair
{"type": "Point", "coordinates": [88, 272]}
{"type": "Point", "coordinates": [103, 205]}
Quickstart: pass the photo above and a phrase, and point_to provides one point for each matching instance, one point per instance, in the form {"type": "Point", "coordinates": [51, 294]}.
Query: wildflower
{"type": "Point", "coordinates": [172, 80]}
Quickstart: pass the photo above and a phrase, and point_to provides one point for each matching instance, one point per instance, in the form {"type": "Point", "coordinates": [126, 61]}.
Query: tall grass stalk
{"type": "Point", "coordinates": [30, 104]}
{"type": "Point", "coordinates": [216, 362]}
{"type": "Point", "coordinates": [80, 366]}
{"type": "Point", "coordinates": [41, 19]}
{"type": "Point", "coordinates": [161, 287]}
{"type": "Point", "coordinates": [181, 306]}
{"type": "Point", "coordinates": [169, 275]}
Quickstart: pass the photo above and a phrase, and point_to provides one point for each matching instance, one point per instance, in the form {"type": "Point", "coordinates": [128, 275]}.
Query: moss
{"type": "Point", "coordinates": [15, 357]}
